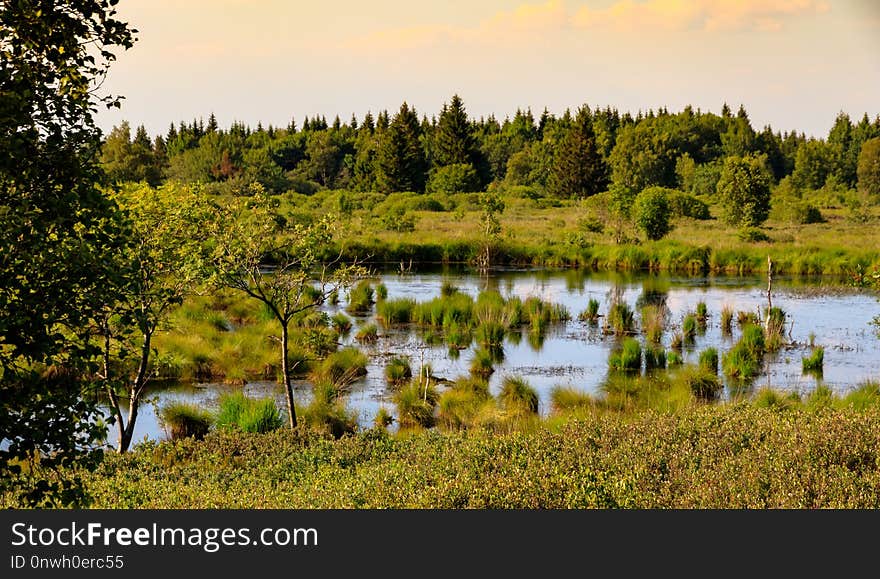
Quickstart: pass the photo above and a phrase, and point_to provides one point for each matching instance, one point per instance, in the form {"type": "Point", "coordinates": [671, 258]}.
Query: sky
{"type": "Point", "coordinates": [793, 64]}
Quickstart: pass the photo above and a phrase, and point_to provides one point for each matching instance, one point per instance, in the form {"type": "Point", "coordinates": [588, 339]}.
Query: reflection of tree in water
{"type": "Point", "coordinates": [655, 292]}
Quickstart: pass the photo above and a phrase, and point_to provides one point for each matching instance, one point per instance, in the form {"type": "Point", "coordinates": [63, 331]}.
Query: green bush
{"type": "Point", "coordinates": [457, 178]}
{"type": "Point", "coordinates": [628, 357]}
{"type": "Point", "coordinates": [651, 213]}
{"type": "Point", "coordinates": [684, 205]}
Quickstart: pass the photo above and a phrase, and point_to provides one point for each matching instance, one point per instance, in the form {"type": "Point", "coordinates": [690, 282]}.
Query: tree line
{"type": "Point", "coordinates": [573, 155]}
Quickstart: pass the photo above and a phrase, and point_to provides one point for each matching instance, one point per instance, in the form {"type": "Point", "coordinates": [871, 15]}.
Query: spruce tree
{"type": "Point", "coordinates": [578, 169]}
{"type": "Point", "coordinates": [454, 142]}
{"type": "Point", "coordinates": [400, 159]}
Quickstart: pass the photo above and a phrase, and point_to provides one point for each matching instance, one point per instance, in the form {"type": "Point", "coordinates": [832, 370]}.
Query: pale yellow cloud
{"type": "Point", "coordinates": [556, 17]}
{"type": "Point", "coordinates": [506, 26]}
{"type": "Point", "coordinates": [708, 15]}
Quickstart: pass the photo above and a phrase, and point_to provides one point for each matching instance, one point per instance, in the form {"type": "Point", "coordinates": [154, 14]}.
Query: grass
{"type": "Point", "coordinates": [360, 298]}
{"type": "Point", "coordinates": [628, 357]}
{"type": "Point", "coordinates": [341, 323]}
{"type": "Point", "coordinates": [341, 367]}
{"type": "Point", "coordinates": [726, 320]}
{"type": "Point", "coordinates": [655, 357]}
{"type": "Point", "coordinates": [396, 312]}
{"type": "Point", "coordinates": [654, 322]}
{"type": "Point", "coordinates": [482, 364]}
{"type": "Point", "coordinates": [709, 360]}
{"type": "Point", "coordinates": [620, 320]}
{"type": "Point", "coordinates": [815, 361]}
{"type": "Point", "coordinates": [416, 404]}
{"type": "Point", "coordinates": [569, 398]}
{"type": "Point", "coordinates": [182, 420]}
{"type": "Point", "coordinates": [689, 329]}
{"type": "Point", "coordinates": [703, 383]}
{"type": "Point", "coordinates": [398, 371]}
{"type": "Point", "coordinates": [248, 414]}
{"type": "Point", "coordinates": [591, 313]}
{"type": "Point", "coordinates": [517, 395]}
{"type": "Point", "coordinates": [367, 334]}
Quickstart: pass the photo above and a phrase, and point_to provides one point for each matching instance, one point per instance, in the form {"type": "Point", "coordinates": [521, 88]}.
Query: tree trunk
{"type": "Point", "coordinates": [285, 375]}
{"type": "Point", "coordinates": [134, 398]}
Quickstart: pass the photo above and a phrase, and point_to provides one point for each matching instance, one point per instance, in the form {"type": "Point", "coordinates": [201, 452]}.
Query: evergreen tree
{"type": "Point", "coordinates": [578, 169]}
{"type": "Point", "coordinates": [454, 142]}
{"type": "Point", "coordinates": [400, 159]}
{"type": "Point", "coordinates": [212, 123]}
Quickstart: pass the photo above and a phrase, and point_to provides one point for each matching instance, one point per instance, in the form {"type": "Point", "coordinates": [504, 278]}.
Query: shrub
{"type": "Point", "coordinates": [185, 420]}
{"type": "Point", "coordinates": [455, 178]}
{"type": "Point", "coordinates": [518, 395]}
{"type": "Point", "coordinates": [744, 191]}
{"type": "Point", "coordinates": [752, 235]}
{"type": "Point", "coordinates": [684, 205]}
{"type": "Point", "coordinates": [651, 213]}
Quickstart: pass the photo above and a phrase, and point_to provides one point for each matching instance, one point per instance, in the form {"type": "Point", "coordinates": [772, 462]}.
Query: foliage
{"type": "Point", "coordinates": [869, 167]}
{"type": "Point", "coordinates": [651, 213]}
{"type": "Point", "coordinates": [744, 191]}
{"type": "Point", "coordinates": [55, 230]}
{"type": "Point", "coordinates": [241, 412]}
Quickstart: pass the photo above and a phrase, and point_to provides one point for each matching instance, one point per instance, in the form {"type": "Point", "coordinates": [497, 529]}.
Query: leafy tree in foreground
{"type": "Point", "coordinates": [55, 229]}
{"type": "Point", "coordinates": [258, 253]}
{"type": "Point", "coordinates": [744, 191]}
{"type": "Point", "coordinates": [160, 265]}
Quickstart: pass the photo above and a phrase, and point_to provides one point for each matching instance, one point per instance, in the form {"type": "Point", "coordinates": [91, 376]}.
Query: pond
{"type": "Point", "coordinates": [575, 353]}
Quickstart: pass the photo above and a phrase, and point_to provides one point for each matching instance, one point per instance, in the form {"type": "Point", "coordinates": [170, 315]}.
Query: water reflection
{"type": "Point", "coordinates": [575, 353]}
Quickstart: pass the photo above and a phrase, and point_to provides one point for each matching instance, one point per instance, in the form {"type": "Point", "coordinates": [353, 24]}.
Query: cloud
{"type": "Point", "coordinates": [506, 26]}
{"type": "Point", "coordinates": [707, 15]}
{"type": "Point", "coordinates": [558, 17]}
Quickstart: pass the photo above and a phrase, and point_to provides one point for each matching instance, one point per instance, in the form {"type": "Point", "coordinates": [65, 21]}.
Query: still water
{"type": "Point", "coordinates": [575, 353]}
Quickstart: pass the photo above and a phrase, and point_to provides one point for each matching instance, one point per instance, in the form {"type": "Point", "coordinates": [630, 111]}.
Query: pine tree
{"type": "Point", "coordinates": [454, 142]}
{"type": "Point", "coordinates": [578, 169]}
{"type": "Point", "coordinates": [400, 160]}
{"type": "Point", "coordinates": [212, 123]}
